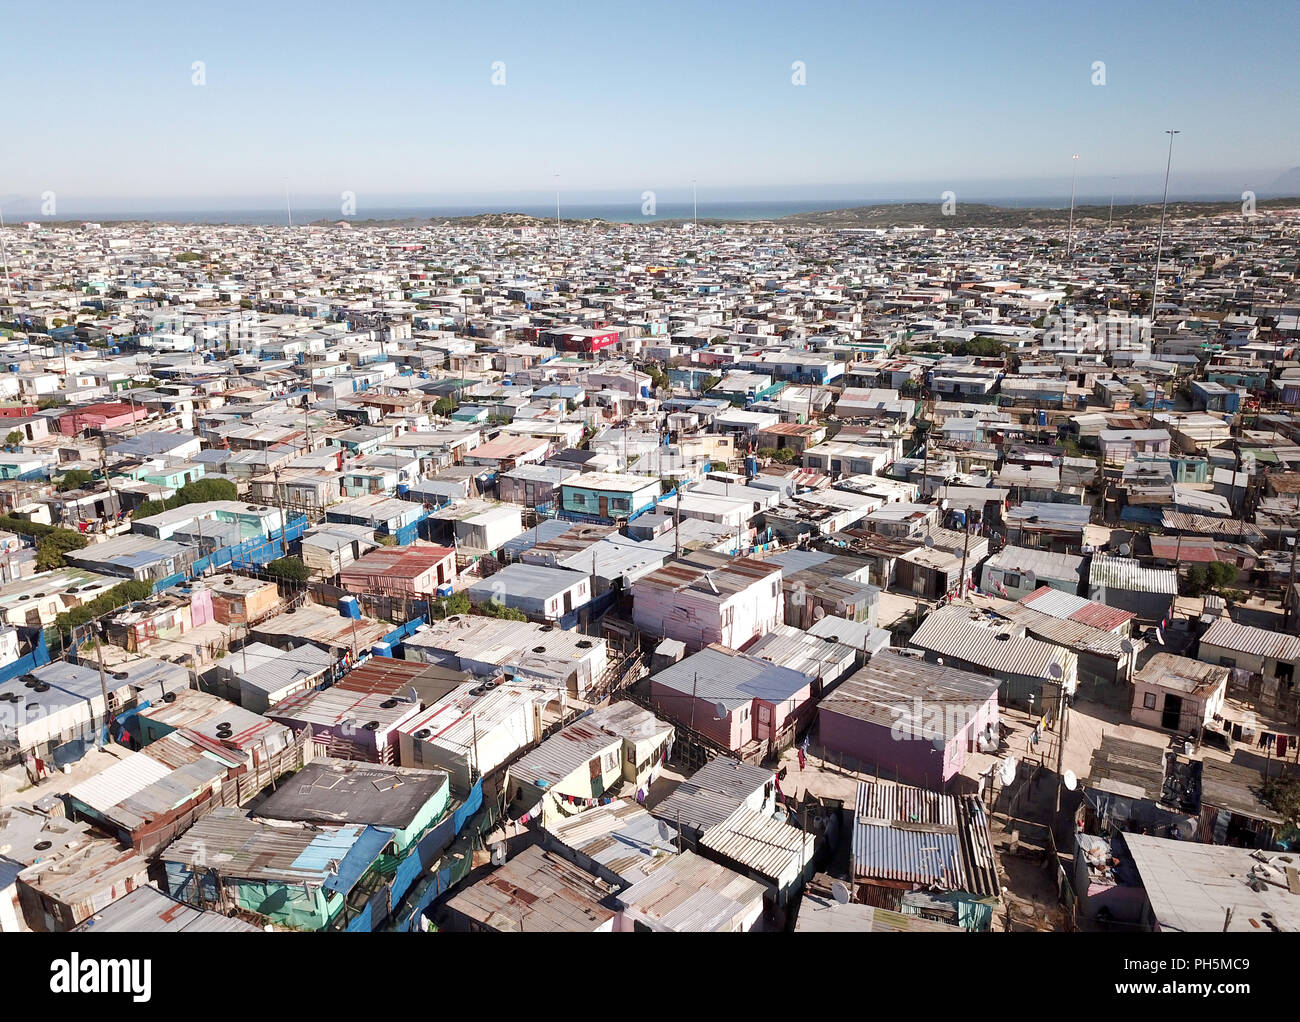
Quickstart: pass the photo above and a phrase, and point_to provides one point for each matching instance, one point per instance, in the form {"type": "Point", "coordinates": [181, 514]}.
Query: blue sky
{"type": "Point", "coordinates": [391, 100]}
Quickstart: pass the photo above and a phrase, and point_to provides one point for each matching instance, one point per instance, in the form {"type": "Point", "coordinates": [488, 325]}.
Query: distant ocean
{"type": "Point", "coordinates": [629, 212]}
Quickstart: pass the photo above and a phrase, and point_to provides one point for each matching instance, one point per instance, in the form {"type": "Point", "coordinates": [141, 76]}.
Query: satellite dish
{"type": "Point", "coordinates": [840, 892]}
{"type": "Point", "coordinates": [1055, 671]}
{"type": "Point", "coordinates": [1125, 549]}
{"type": "Point", "coordinates": [819, 613]}
{"type": "Point", "coordinates": [720, 709]}
{"type": "Point", "coordinates": [666, 831]}
{"type": "Point", "coordinates": [929, 542]}
{"type": "Point", "coordinates": [1186, 829]}
{"type": "Point", "coordinates": [939, 660]}
{"type": "Point", "coordinates": [957, 551]}
{"type": "Point", "coordinates": [1071, 781]}
{"type": "Point", "coordinates": [943, 504]}
{"type": "Point", "coordinates": [1007, 774]}
{"type": "Point", "coordinates": [1126, 647]}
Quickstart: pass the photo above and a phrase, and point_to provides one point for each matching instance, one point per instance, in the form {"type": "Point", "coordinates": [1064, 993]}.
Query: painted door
{"type": "Point", "coordinates": [764, 722]}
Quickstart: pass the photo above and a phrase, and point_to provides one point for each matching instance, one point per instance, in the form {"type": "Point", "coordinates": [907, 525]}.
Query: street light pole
{"type": "Point", "coordinates": [1160, 237]}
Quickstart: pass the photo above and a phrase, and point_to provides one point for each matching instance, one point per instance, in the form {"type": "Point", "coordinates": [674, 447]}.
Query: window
{"type": "Point", "coordinates": [1149, 701]}
{"type": "Point", "coordinates": [1011, 580]}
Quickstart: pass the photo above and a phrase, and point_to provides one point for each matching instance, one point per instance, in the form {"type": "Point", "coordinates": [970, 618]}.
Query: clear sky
{"type": "Point", "coordinates": [391, 100]}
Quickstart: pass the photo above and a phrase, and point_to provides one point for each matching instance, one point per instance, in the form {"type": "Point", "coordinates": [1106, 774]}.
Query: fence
{"type": "Point", "coordinates": [38, 657]}
{"type": "Point", "coordinates": [425, 871]}
{"type": "Point", "coordinates": [250, 553]}
{"type": "Point", "coordinates": [236, 791]}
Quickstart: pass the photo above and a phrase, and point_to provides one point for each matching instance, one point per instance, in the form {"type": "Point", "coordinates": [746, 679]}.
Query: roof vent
{"type": "Point", "coordinates": [422, 734]}
{"type": "Point", "coordinates": [372, 725]}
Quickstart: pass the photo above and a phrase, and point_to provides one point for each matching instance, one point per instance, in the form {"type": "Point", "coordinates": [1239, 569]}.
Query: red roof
{"type": "Point", "coordinates": [1195, 549]}
{"type": "Point", "coordinates": [382, 674]}
{"type": "Point", "coordinates": [404, 562]}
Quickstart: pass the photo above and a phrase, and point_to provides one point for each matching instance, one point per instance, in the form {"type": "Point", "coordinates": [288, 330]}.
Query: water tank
{"type": "Point", "coordinates": [349, 607]}
{"type": "Point", "coordinates": [115, 350]}
{"type": "Point", "coordinates": [645, 391]}
{"type": "Point", "coordinates": [751, 467]}
{"type": "Point", "coordinates": [445, 589]}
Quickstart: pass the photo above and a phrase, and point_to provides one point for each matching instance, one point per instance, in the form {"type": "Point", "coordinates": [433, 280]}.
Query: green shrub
{"type": "Point", "coordinates": [198, 492]}
{"type": "Point", "coordinates": [119, 596]}
{"type": "Point", "coordinates": [289, 569]}
{"type": "Point", "coordinates": [74, 479]}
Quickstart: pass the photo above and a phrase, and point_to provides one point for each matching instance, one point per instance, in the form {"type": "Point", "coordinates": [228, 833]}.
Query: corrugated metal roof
{"type": "Point", "coordinates": [892, 681]}
{"type": "Point", "coordinates": [563, 753]}
{"type": "Point", "coordinates": [691, 894]}
{"type": "Point", "coordinates": [119, 781]}
{"type": "Point", "coordinates": [240, 848]}
{"type": "Point", "coordinates": [1043, 563]}
{"type": "Point", "coordinates": [951, 632]}
{"type": "Point", "coordinates": [710, 795]}
{"type": "Point", "coordinates": [1067, 606]}
{"type": "Point", "coordinates": [736, 679]}
{"type": "Point", "coordinates": [1128, 574]}
{"type": "Point", "coordinates": [1262, 642]}
{"type": "Point", "coordinates": [148, 910]}
{"type": "Point", "coordinates": [912, 835]}
{"type": "Point", "coordinates": [759, 842]}
{"type": "Point", "coordinates": [537, 891]}
{"type": "Point", "coordinates": [621, 836]}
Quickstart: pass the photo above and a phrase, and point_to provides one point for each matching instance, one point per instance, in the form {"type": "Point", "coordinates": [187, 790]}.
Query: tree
{"type": "Point", "coordinates": [51, 547]}
{"type": "Point", "coordinates": [288, 569]}
{"type": "Point", "coordinates": [14, 438]}
{"type": "Point", "coordinates": [74, 479]}
{"type": "Point", "coordinates": [198, 492]}
{"type": "Point", "coordinates": [495, 608]}
{"type": "Point", "coordinates": [1196, 580]}
{"type": "Point", "coordinates": [1282, 795]}
{"type": "Point", "coordinates": [1220, 574]}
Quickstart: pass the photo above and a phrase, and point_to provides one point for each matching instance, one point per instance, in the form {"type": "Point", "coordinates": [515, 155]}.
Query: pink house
{"type": "Point", "coordinates": [108, 416]}
{"type": "Point", "coordinates": [737, 700]}
{"type": "Point", "coordinates": [706, 597]}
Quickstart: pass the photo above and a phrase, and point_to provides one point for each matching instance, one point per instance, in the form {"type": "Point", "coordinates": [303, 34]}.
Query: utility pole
{"type": "Point", "coordinates": [677, 524]}
{"type": "Point", "coordinates": [1160, 237]}
{"type": "Point", "coordinates": [103, 682]}
{"type": "Point", "coordinates": [112, 498]}
{"type": "Point", "coordinates": [965, 549]}
{"type": "Point", "coordinates": [1290, 588]}
{"type": "Point", "coordinates": [284, 523]}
